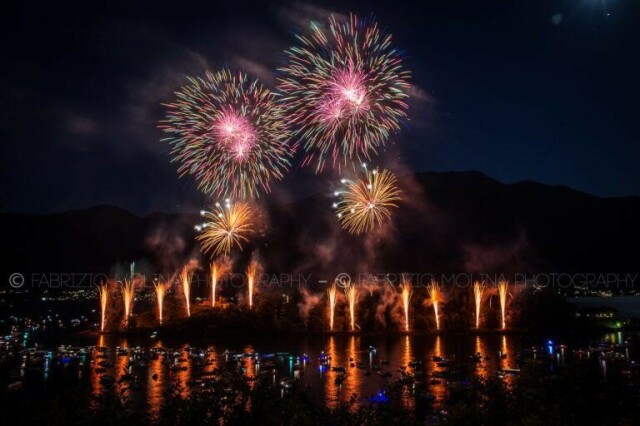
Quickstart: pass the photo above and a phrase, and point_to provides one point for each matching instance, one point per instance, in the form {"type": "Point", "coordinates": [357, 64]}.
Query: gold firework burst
{"type": "Point", "coordinates": [225, 228]}
{"type": "Point", "coordinates": [368, 202]}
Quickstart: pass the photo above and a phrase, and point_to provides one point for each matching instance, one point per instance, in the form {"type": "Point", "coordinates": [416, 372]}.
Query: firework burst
{"type": "Point", "coordinates": [367, 203]}
{"type": "Point", "coordinates": [228, 132]}
{"type": "Point", "coordinates": [345, 90]}
{"type": "Point", "coordinates": [226, 227]}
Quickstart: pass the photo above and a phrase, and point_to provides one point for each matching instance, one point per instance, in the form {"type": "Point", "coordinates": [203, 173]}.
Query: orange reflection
{"type": "Point", "coordinates": [438, 383]}
{"type": "Point", "coordinates": [332, 389]}
{"type": "Point", "coordinates": [156, 383]}
{"type": "Point", "coordinates": [480, 352]}
{"type": "Point", "coordinates": [353, 382]}
{"type": "Point", "coordinates": [407, 357]}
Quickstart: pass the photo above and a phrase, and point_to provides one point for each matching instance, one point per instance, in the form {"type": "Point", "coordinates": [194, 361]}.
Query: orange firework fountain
{"type": "Point", "coordinates": [478, 289]}
{"type": "Point", "coordinates": [185, 280]}
{"type": "Point", "coordinates": [218, 269]}
{"type": "Point", "coordinates": [434, 293]}
{"type": "Point", "coordinates": [352, 296]}
{"type": "Point", "coordinates": [161, 289]}
{"type": "Point", "coordinates": [104, 298]}
{"type": "Point", "coordinates": [332, 304]}
{"type": "Point", "coordinates": [251, 276]}
{"type": "Point", "coordinates": [502, 291]}
{"type": "Point", "coordinates": [128, 293]}
{"type": "Point", "coordinates": [406, 296]}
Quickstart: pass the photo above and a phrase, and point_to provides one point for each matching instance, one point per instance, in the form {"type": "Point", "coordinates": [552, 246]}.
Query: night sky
{"type": "Point", "coordinates": [519, 90]}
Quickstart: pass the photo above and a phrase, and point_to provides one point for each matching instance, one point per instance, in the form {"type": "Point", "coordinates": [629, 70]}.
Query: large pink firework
{"type": "Point", "coordinates": [229, 133]}
{"type": "Point", "coordinates": [345, 91]}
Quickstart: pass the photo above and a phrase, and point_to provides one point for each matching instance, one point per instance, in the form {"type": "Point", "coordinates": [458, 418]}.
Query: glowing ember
{"type": "Point", "coordinates": [252, 270]}
{"type": "Point", "coordinates": [478, 289]}
{"type": "Point", "coordinates": [352, 296]}
{"type": "Point", "coordinates": [434, 293]}
{"type": "Point", "coordinates": [502, 291]}
{"type": "Point", "coordinates": [406, 297]}
{"type": "Point", "coordinates": [332, 304]}
{"type": "Point", "coordinates": [161, 289]}
{"type": "Point", "coordinates": [104, 298]}
{"type": "Point", "coordinates": [128, 293]}
{"type": "Point", "coordinates": [185, 280]}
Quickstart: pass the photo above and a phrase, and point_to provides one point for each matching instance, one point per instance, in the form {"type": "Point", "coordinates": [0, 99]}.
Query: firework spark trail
{"type": "Point", "coordinates": [352, 296]}
{"type": "Point", "coordinates": [128, 295]}
{"type": "Point", "coordinates": [225, 228]}
{"type": "Point", "coordinates": [104, 298]}
{"type": "Point", "coordinates": [345, 91]}
{"type": "Point", "coordinates": [252, 271]}
{"type": "Point", "coordinates": [502, 291]}
{"type": "Point", "coordinates": [367, 203]}
{"type": "Point", "coordinates": [332, 304]}
{"type": "Point", "coordinates": [229, 133]}
{"type": "Point", "coordinates": [161, 288]}
{"type": "Point", "coordinates": [435, 295]}
{"type": "Point", "coordinates": [478, 289]}
{"type": "Point", "coordinates": [185, 281]}
{"type": "Point", "coordinates": [218, 269]}
{"type": "Point", "coordinates": [406, 297]}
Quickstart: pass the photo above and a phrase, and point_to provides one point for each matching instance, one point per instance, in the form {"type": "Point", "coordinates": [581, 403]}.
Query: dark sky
{"type": "Point", "coordinates": [519, 90]}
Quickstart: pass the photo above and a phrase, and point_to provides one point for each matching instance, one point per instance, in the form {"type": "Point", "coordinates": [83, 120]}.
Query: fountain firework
{"type": "Point", "coordinates": [185, 280]}
{"type": "Point", "coordinates": [352, 295]}
{"type": "Point", "coordinates": [502, 291]}
{"type": "Point", "coordinates": [406, 297]}
{"type": "Point", "coordinates": [478, 289]}
{"type": "Point", "coordinates": [434, 293]}
{"type": "Point", "coordinates": [218, 268]}
{"type": "Point", "coordinates": [332, 304]}
{"type": "Point", "coordinates": [252, 270]}
{"type": "Point", "coordinates": [161, 289]}
{"type": "Point", "coordinates": [128, 294]}
{"type": "Point", "coordinates": [104, 298]}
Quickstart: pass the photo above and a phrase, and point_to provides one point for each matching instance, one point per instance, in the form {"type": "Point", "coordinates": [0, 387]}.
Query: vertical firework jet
{"type": "Point", "coordinates": [104, 298]}
{"type": "Point", "coordinates": [185, 280]}
{"type": "Point", "coordinates": [406, 297]}
{"type": "Point", "coordinates": [502, 291]}
{"type": "Point", "coordinates": [128, 294]}
{"type": "Point", "coordinates": [218, 268]}
{"type": "Point", "coordinates": [478, 289]}
{"type": "Point", "coordinates": [352, 296]}
{"type": "Point", "coordinates": [252, 270]}
{"type": "Point", "coordinates": [161, 289]}
{"type": "Point", "coordinates": [332, 304]}
{"type": "Point", "coordinates": [434, 293]}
